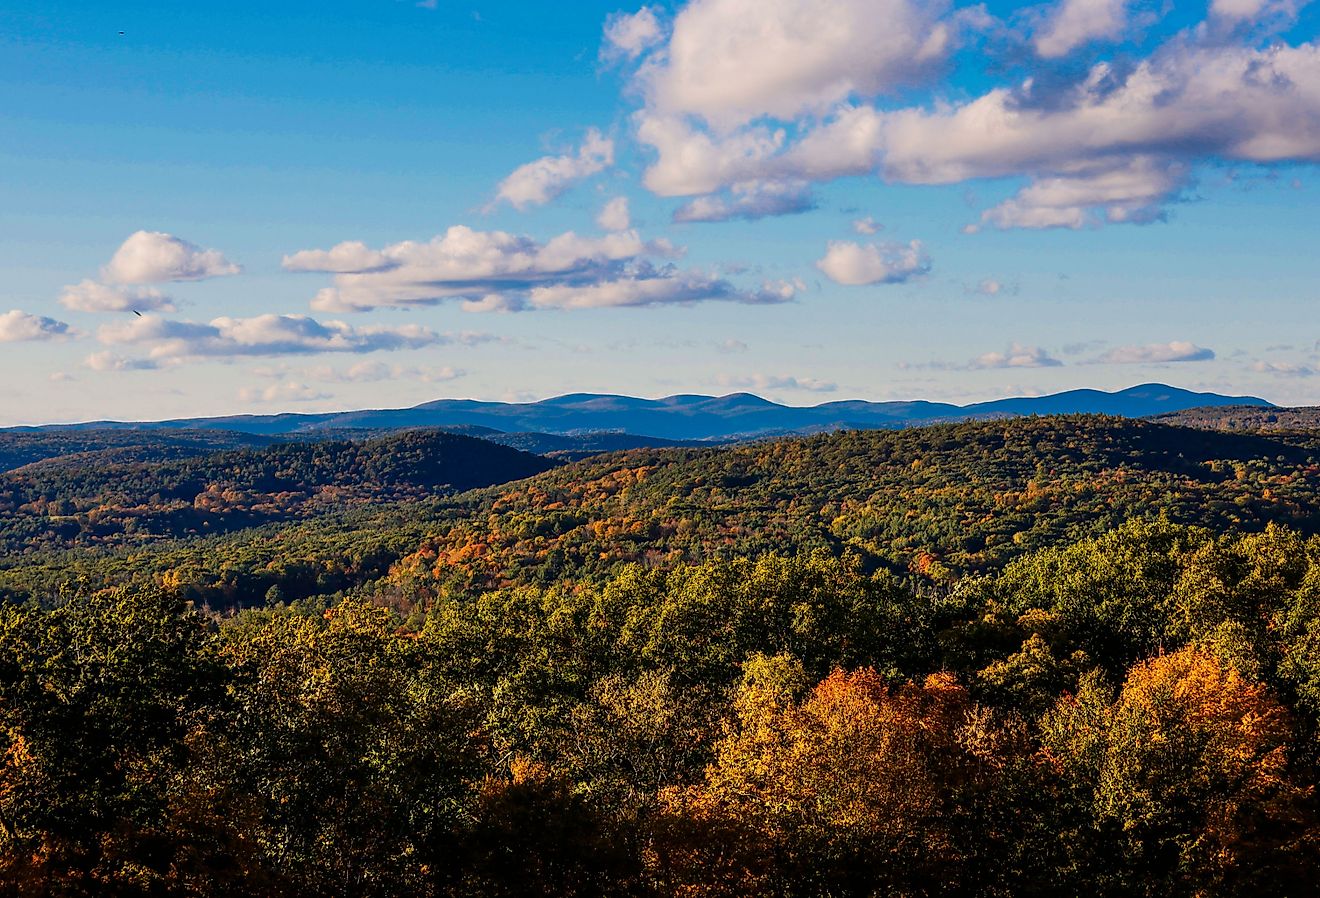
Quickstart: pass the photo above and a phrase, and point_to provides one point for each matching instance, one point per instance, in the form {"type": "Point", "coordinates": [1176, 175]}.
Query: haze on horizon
{"type": "Point", "coordinates": [376, 203]}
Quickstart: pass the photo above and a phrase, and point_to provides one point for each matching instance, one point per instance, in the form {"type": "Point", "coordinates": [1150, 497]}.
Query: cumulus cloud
{"type": "Point", "coordinates": [628, 36]}
{"type": "Point", "coordinates": [290, 391]}
{"type": "Point", "coordinates": [749, 202]}
{"type": "Point", "coordinates": [539, 182]}
{"type": "Point", "coordinates": [732, 61]}
{"type": "Point", "coordinates": [1233, 14]}
{"type": "Point", "coordinates": [494, 271]}
{"type": "Point", "coordinates": [1284, 369]}
{"type": "Point", "coordinates": [351, 255]}
{"type": "Point", "coordinates": [264, 335]}
{"type": "Point", "coordinates": [109, 361]}
{"type": "Point", "coordinates": [467, 264]}
{"type": "Point", "coordinates": [152, 257]}
{"type": "Point", "coordinates": [615, 215]}
{"type": "Point", "coordinates": [867, 226]}
{"type": "Point", "coordinates": [1077, 22]}
{"type": "Point", "coordinates": [680, 288]}
{"type": "Point", "coordinates": [778, 382]}
{"type": "Point", "coordinates": [1017, 356]}
{"type": "Point", "coordinates": [690, 161]}
{"type": "Point", "coordinates": [858, 264]}
{"type": "Point", "coordinates": [1156, 354]}
{"type": "Point", "coordinates": [91, 296]}
{"type": "Point", "coordinates": [1116, 144]}
{"type": "Point", "coordinates": [374, 372]}
{"type": "Point", "coordinates": [1132, 191]}
{"type": "Point", "coordinates": [21, 327]}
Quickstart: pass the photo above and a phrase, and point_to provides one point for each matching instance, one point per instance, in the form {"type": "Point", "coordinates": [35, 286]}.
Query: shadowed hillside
{"type": "Point", "coordinates": [90, 500]}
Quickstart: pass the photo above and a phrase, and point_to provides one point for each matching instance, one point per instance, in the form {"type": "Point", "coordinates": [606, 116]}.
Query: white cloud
{"type": "Point", "coordinates": [750, 201]}
{"type": "Point", "coordinates": [494, 271]}
{"type": "Point", "coordinates": [1284, 369]}
{"type": "Point", "coordinates": [109, 361]}
{"type": "Point", "coordinates": [1156, 354]}
{"type": "Point", "coordinates": [22, 327]}
{"type": "Point", "coordinates": [778, 382]}
{"type": "Point", "coordinates": [264, 335]}
{"type": "Point", "coordinates": [290, 391]}
{"type": "Point", "coordinates": [628, 36]}
{"type": "Point", "coordinates": [731, 345]}
{"type": "Point", "coordinates": [867, 226]}
{"type": "Point", "coordinates": [539, 182]}
{"type": "Point", "coordinates": [1258, 106]}
{"type": "Point", "coordinates": [615, 216]}
{"type": "Point", "coordinates": [351, 255]}
{"type": "Point", "coordinates": [152, 257]}
{"type": "Point", "coordinates": [1239, 12]}
{"type": "Point", "coordinates": [691, 162]}
{"type": "Point", "coordinates": [1115, 146]}
{"type": "Point", "coordinates": [1017, 356]}
{"type": "Point", "coordinates": [1077, 22]}
{"type": "Point", "coordinates": [732, 61]}
{"type": "Point", "coordinates": [989, 287]}
{"type": "Point", "coordinates": [477, 265]}
{"type": "Point", "coordinates": [1131, 191]}
{"type": "Point", "coordinates": [680, 288]}
{"type": "Point", "coordinates": [857, 264]}
{"type": "Point", "coordinates": [374, 372]}
{"type": "Point", "coordinates": [91, 296]}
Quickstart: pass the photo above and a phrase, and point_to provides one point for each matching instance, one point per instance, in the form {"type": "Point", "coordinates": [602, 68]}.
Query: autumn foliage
{"type": "Point", "coordinates": [1030, 659]}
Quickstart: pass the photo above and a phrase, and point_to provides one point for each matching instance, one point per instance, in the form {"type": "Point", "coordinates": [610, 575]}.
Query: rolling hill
{"type": "Point", "coordinates": [691, 417]}
{"type": "Point", "coordinates": [933, 502]}
{"type": "Point", "coordinates": [89, 501]}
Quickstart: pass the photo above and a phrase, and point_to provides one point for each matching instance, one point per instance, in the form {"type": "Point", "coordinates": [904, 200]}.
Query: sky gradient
{"type": "Point", "coordinates": [368, 203]}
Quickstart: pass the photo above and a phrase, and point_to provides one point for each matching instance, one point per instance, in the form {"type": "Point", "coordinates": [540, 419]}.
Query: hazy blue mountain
{"type": "Point", "coordinates": [694, 417]}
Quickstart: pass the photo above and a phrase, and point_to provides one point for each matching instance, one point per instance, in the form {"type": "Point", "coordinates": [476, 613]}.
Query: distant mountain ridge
{"type": "Point", "coordinates": [693, 417]}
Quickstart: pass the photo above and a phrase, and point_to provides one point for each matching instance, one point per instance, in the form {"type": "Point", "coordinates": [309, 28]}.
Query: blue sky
{"type": "Point", "coordinates": [824, 200]}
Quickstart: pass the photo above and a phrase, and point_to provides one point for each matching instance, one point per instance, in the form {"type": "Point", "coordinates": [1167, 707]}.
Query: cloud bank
{"type": "Point", "coordinates": [171, 342]}
{"type": "Point", "coordinates": [785, 91]}
{"type": "Point", "coordinates": [497, 271]}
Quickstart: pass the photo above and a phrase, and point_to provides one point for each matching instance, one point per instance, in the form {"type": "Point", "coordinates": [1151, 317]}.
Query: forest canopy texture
{"type": "Point", "coordinates": [1046, 656]}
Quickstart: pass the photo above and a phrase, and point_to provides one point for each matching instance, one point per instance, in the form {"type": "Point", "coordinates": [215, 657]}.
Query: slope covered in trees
{"type": "Point", "coordinates": [1133, 714]}
{"type": "Point", "coordinates": [82, 502]}
{"type": "Point", "coordinates": [92, 447]}
{"type": "Point", "coordinates": [1013, 658]}
{"type": "Point", "coordinates": [1245, 418]}
{"type": "Point", "coordinates": [938, 501]}
{"type": "Point", "coordinates": [935, 502]}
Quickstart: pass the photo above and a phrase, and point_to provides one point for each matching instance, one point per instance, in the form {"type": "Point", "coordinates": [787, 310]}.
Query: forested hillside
{"type": "Point", "coordinates": [937, 501]}
{"type": "Point", "coordinates": [91, 447]}
{"type": "Point", "coordinates": [1130, 715]}
{"type": "Point", "coordinates": [1032, 657]}
{"type": "Point", "coordinates": [96, 501]}
{"type": "Point", "coordinates": [1245, 418]}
